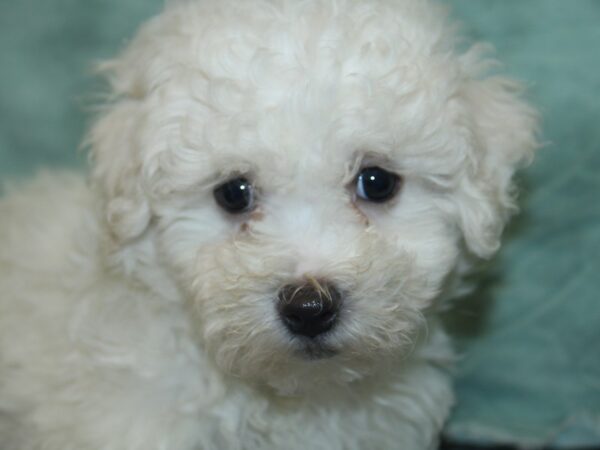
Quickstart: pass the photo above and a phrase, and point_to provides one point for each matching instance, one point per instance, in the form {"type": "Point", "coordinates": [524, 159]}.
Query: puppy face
{"type": "Point", "coordinates": [310, 174]}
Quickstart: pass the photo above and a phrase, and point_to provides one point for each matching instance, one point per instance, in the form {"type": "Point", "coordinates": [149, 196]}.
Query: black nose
{"type": "Point", "coordinates": [309, 309]}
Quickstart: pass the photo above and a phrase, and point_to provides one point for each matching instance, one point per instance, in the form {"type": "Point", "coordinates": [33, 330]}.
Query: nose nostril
{"type": "Point", "coordinates": [309, 310]}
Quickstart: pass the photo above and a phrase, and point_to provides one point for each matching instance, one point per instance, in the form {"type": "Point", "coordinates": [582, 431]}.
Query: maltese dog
{"type": "Point", "coordinates": [283, 195]}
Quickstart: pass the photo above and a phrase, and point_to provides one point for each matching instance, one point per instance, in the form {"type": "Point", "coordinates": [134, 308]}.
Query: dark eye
{"type": "Point", "coordinates": [376, 184]}
{"type": "Point", "coordinates": [235, 196]}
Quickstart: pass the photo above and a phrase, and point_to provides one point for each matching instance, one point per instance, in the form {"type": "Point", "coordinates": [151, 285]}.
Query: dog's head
{"type": "Point", "coordinates": [310, 173]}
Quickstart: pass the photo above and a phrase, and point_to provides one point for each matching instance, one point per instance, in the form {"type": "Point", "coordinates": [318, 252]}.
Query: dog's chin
{"type": "Point", "coordinates": [318, 366]}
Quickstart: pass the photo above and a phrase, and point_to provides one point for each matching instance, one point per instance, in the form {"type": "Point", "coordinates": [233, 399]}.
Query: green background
{"type": "Point", "coordinates": [530, 338]}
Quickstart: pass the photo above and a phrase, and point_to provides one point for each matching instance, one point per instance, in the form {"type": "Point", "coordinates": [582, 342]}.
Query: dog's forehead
{"type": "Point", "coordinates": [295, 87]}
{"type": "Point", "coordinates": [294, 137]}
{"type": "Point", "coordinates": [314, 128]}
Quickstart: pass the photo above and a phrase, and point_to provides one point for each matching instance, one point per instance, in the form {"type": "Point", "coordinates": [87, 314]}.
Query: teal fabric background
{"type": "Point", "coordinates": [530, 338]}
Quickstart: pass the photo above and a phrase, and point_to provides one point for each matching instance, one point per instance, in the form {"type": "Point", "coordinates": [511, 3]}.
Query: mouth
{"type": "Point", "coordinates": [311, 350]}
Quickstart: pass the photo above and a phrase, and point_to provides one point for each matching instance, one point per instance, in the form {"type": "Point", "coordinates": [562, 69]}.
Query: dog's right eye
{"type": "Point", "coordinates": [235, 196]}
{"type": "Point", "coordinates": [377, 185]}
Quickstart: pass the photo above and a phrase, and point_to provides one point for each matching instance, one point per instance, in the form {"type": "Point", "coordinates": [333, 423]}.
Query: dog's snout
{"type": "Point", "coordinates": [309, 309]}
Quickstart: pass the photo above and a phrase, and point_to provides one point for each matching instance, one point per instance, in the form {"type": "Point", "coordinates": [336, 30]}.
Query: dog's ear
{"type": "Point", "coordinates": [503, 130]}
{"type": "Point", "coordinates": [117, 167]}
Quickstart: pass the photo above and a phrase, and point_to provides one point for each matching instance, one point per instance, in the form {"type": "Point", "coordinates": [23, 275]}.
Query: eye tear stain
{"type": "Point", "coordinates": [363, 217]}
{"type": "Point", "coordinates": [257, 215]}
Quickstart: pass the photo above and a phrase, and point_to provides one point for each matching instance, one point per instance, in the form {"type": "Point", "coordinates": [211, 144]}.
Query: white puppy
{"type": "Point", "coordinates": [283, 193]}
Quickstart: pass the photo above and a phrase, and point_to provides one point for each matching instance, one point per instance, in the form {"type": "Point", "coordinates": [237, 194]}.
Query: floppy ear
{"type": "Point", "coordinates": [503, 130]}
{"type": "Point", "coordinates": [117, 169]}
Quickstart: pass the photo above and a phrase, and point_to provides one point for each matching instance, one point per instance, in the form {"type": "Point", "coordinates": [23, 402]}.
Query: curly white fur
{"type": "Point", "coordinates": [136, 315]}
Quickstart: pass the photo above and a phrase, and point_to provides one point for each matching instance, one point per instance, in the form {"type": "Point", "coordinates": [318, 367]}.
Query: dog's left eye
{"type": "Point", "coordinates": [376, 184]}
{"type": "Point", "coordinates": [235, 196]}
